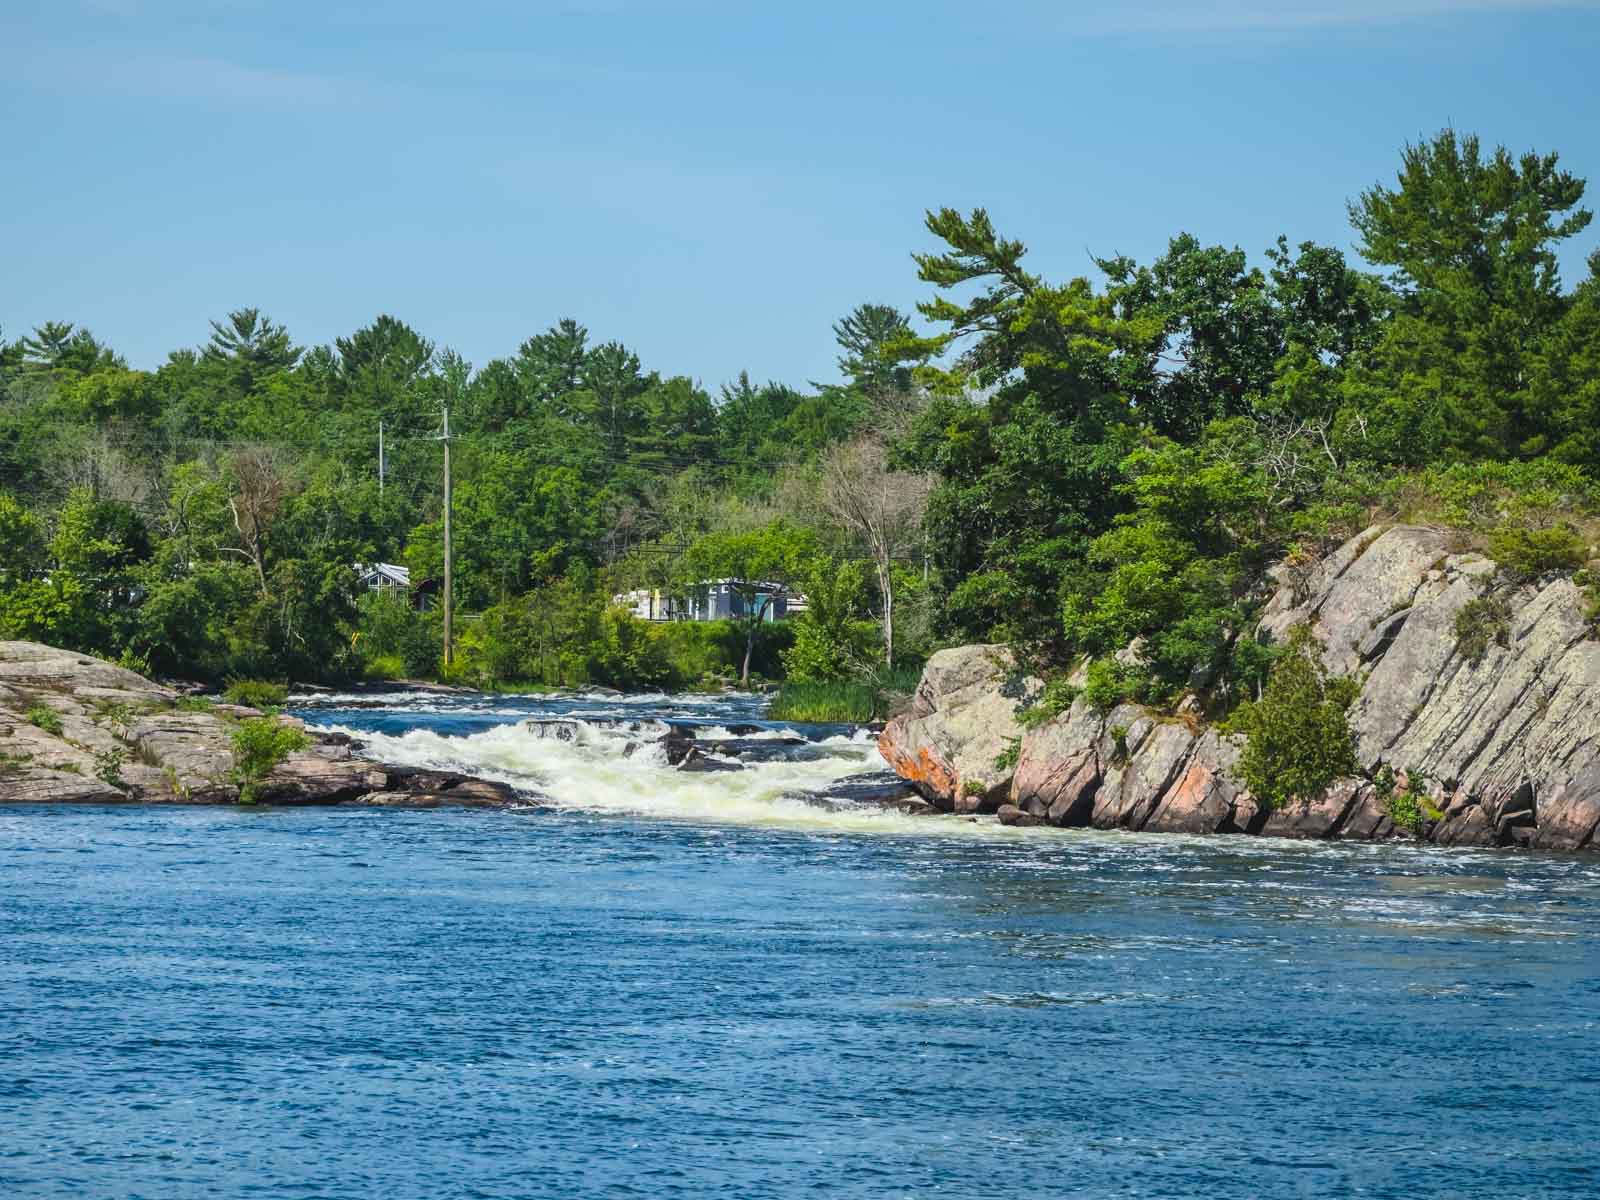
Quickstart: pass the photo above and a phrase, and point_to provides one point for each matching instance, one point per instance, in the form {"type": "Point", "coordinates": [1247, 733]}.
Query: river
{"type": "Point", "coordinates": [659, 984]}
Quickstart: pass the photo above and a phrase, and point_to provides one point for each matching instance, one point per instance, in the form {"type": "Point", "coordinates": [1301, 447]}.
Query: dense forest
{"type": "Point", "coordinates": [1125, 459]}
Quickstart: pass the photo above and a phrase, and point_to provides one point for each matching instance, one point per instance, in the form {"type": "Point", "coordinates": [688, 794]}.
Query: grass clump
{"type": "Point", "coordinates": [255, 693]}
{"type": "Point", "coordinates": [259, 745]}
{"type": "Point", "coordinates": [44, 717]}
{"type": "Point", "coordinates": [1298, 734]}
{"type": "Point", "coordinates": [1480, 623]}
{"type": "Point", "coordinates": [825, 701]}
{"type": "Point", "coordinates": [844, 701]}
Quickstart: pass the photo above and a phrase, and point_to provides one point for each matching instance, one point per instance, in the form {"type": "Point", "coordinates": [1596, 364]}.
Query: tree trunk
{"type": "Point", "coordinates": [750, 639]}
{"type": "Point", "coordinates": [886, 586]}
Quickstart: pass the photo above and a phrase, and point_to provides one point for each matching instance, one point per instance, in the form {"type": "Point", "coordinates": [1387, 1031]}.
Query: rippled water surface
{"type": "Point", "coordinates": [660, 987]}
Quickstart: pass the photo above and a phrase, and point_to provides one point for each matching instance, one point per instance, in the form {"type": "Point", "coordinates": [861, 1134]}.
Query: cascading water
{"type": "Point", "coordinates": [607, 753]}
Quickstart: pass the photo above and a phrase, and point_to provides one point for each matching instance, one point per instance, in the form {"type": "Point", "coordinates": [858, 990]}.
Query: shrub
{"type": "Point", "coordinates": [45, 718]}
{"type": "Point", "coordinates": [1108, 683]}
{"type": "Point", "coordinates": [1007, 759]}
{"type": "Point", "coordinates": [1119, 743]}
{"type": "Point", "coordinates": [1528, 553]}
{"type": "Point", "coordinates": [108, 767]}
{"type": "Point", "coordinates": [1481, 622]}
{"type": "Point", "coordinates": [1053, 700]}
{"type": "Point", "coordinates": [259, 745]}
{"type": "Point", "coordinates": [255, 693]}
{"type": "Point", "coordinates": [1412, 808]}
{"type": "Point", "coordinates": [1299, 738]}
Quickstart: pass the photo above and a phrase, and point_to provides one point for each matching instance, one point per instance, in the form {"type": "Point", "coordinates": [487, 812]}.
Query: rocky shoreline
{"type": "Point", "coordinates": [115, 737]}
{"type": "Point", "coordinates": [1503, 745]}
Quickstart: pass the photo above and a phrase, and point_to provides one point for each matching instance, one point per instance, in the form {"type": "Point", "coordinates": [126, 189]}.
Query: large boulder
{"type": "Point", "coordinates": [954, 743]}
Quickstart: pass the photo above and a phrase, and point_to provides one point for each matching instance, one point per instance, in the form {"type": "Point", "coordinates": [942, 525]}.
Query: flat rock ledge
{"type": "Point", "coordinates": [1506, 749]}
{"type": "Point", "coordinates": [125, 740]}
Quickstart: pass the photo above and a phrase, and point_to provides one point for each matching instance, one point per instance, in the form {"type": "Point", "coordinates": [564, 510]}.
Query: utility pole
{"type": "Point", "coordinates": [448, 564]}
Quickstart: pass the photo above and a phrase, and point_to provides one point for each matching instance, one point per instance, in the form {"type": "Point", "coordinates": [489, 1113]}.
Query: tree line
{"type": "Point", "coordinates": [1077, 468]}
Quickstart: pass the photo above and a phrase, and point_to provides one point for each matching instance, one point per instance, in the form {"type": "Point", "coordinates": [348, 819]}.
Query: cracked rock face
{"type": "Point", "coordinates": [1508, 746]}
{"type": "Point", "coordinates": [954, 744]}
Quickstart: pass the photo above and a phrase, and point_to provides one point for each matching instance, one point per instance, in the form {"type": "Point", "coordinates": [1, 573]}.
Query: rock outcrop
{"type": "Point", "coordinates": [1502, 746]}
{"type": "Point", "coordinates": [75, 729]}
{"type": "Point", "coordinates": [955, 743]}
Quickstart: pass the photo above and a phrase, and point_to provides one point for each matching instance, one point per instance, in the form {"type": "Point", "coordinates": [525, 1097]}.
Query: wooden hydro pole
{"type": "Point", "coordinates": [449, 599]}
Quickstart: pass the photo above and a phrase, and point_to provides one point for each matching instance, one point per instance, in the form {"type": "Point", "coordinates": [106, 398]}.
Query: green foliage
{"type": "Point", "coordinates": [1119, 742]}
{"type": "Point", "coordinates": [829, 641]}
{"type": "Point", "coordinates": [1528, 553]}
{"type": "Point", "coordinates": [407, 643]}
{"type": "Point", "coordinates": [844, 701]}
{"type": "Point", "coordinates": [108, 766]}
{"type": "Point", "coordinates": [259, 745]}
{"type": "Point", "coordinates": [1480, 623]}
{"type": "Point", "coordinates": [44, 717]}
{"type": "Point", "coordinates": [1008, 758]}
{"type": "Point", "coordinates": [1471, 238]}
{"type": "Point", "coordinates": [1053, 699]}
{"type": "Point", "coordinates": [1173, 567]}
{"type": "Point", "coordinates": [1299, 738]}
{"type": "Point", "coordinates": [255, 693]}
{"type": "Point", "coordinates": [1108, 683]}
{"type": "Point", "coordinates": [825, 702]}
{"type": "Point", "coordinates": [1121, 460]}
{"type": "Point", "coordinates": [1412, 809]}
{"type": "Point", "coordinates": [777, 553]}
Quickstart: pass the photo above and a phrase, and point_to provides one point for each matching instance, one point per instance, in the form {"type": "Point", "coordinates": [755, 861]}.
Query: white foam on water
{"type": "Point", "coordinates": [592, 773]}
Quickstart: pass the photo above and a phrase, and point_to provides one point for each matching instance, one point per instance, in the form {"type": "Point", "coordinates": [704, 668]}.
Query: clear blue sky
{"type": "Point", "coordinates": [712, 182]}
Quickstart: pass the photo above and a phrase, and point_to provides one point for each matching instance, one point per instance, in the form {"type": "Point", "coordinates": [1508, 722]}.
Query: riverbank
{"type": "Point", "coordinates": [1463, 736]}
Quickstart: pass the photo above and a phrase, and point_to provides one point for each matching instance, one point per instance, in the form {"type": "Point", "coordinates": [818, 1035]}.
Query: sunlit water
{"type": "Point", "coordinates": [657, 986]}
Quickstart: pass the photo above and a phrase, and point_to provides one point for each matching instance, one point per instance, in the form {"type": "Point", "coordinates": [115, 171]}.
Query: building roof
{"type": "Point", "coordinates": [390, 572]}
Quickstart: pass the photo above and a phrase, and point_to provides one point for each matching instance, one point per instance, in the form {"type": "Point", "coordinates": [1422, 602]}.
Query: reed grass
{"type": "Point", "coordinates": [847, 701]}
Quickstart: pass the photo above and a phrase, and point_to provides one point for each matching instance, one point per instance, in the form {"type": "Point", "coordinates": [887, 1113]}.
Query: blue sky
{"type": "Point", "coordinates": [711, 182]}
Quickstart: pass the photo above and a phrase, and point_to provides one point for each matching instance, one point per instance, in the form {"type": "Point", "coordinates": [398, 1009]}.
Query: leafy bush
{"type": "Point", "coordinates": [1411, 809]}
{"type": "Point", "coordinates": [1299, 738]}
{"type": "Point", "coordinates": [1109, 683]}
{"type": "Point", "coordinates": [108, 767]}
{"type": "Point", "coordinates": [45, 718]}
{"type": "Point", "coordinates": [1481, 622]}
{"type": "Point", "coordinates": [1053, 700]}
{"type": "Point", "coordinates": [259, 745]}
{"type": "Point", "coordinates": [395, 640]}
{"type": "Point", "coordinates": [255, 693]}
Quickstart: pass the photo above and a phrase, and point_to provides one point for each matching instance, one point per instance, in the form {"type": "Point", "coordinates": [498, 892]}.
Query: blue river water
{"type": "Point", "coordinates": [647, 988]}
